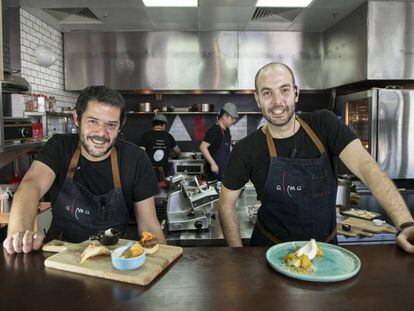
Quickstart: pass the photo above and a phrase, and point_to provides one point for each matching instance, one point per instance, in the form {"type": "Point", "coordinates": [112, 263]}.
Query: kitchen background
{"type": "Point", "coordinates": [332, 47]}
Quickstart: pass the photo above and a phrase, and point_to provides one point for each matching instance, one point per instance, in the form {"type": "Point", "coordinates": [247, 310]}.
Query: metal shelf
{"type": "Point", "coordinates": [187, 112]}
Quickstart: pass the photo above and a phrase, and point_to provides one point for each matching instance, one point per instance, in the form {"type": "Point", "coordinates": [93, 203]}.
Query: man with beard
{"type": "Point", "coordinates": [95, 179]}
{"type": "Point", "coordinates": [290, 163]}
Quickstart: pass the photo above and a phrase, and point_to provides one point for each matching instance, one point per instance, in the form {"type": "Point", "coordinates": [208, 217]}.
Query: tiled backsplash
{"type": "Point", "coordinates": [45, 80]}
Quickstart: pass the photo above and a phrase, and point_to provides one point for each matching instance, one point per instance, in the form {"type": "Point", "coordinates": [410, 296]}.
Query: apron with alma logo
{"type": "Point", "coordinates": [299, 198]}
{"type": "Point", "coordinates": [78, 214]}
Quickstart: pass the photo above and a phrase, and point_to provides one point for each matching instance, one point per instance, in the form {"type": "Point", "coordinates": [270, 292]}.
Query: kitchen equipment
{"type": "Point", "coordinates": [68, 259]}
{"type": "Point", "coordinates": [16, 129]}
{"type": "Point", "coordinates": [145, 107]}
{"type": "Point", "coordinates": [359, 213]}
{"type": "Point", "coordinates": [189, 208]}
{"type": "Point", "coordinates": [369, 225]}
{"type": "Point", "coordinates": [188, 165]}
{"type": "Point", "coordinates": [352, 231]}
{"type": "Point", "coordinates": [383, 120]}
{"type": "Point", "coordinates": [343, 194]}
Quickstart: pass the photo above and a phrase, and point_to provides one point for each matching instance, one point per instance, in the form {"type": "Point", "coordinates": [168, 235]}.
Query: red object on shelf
{"type": "Point", "coordinates": [16, 179]}
{"type": "Point", "coordinates": [37, 130]}
{"type": "Point", "coordinates": [199, 128]}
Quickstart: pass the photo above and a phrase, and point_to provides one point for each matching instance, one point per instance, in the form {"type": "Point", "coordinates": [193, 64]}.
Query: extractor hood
{"type": "Point", "coordinates": [14, 84]}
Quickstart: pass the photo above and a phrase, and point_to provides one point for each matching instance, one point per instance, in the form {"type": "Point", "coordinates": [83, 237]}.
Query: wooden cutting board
{"type": "Point", "coordinates": [369, 226]}
{"type": "Point", "coordinates": [68, 259]}
{"type": "Point", "coordinates": [353, 232]}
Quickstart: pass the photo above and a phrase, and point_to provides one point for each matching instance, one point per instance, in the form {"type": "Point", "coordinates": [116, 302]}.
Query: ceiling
{"type": "Point", "coordinates": [210, 15]}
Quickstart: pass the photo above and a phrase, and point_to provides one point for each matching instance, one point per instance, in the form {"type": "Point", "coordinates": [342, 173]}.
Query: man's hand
{"type": "Point", "coordinates": [23, 242]}
{"type": "Point", "coordinates": [405, 240]}
{"type": "Point", "coordinates": [215, 168]}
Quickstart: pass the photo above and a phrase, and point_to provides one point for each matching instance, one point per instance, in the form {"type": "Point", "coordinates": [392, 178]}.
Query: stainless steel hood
{"type": "Point", "coordinates": [14, 84]}
{"type": "Point", "coordinates": [375, 42]}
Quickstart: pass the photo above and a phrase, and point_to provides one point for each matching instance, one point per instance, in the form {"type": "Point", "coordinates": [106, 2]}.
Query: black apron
{"type": "Point", "coordinates": [299, 198]}
{"type": "Point", "coordinates": [78, 214]}
{"type": "Point", "coordinates": [221, 157]}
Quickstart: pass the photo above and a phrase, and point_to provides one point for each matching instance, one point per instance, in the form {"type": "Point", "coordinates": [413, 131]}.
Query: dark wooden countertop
{"type": "Point", "coordinates": [212, 278]}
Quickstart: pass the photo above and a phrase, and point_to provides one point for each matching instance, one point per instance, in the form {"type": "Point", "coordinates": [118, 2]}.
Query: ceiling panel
{"type": "Point", "coordinates": [113, 15]}
{"type": "Point", "coordinates": [234, 3]}
{"type": "Point", "coordinates": [173, 15]}
{"type": "Point", "coordinates": [225, 15]}
{"type": "Point", "coordinates": [215, 15]}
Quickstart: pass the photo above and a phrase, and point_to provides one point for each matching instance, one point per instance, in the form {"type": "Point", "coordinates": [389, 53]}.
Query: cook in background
{"type": "Point", "coordinates": [216, 144]}
{"type": "Point", "coordinates": [159, 144]}
{"type": "Point", "coordinates": [94, 178]}
{"type": "Point", "coordinates": [289, 161]}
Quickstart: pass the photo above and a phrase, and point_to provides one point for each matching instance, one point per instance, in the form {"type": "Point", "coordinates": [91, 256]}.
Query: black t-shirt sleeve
{"type": "Point", "coordinates": [51, 154]}
{"type": "Point", "coordinates": [143, 141]}
{"type": "Point", "coordinates": [171, 142]}
{"type": "Point", "coordinates": [338, 135]}
{"type": "Point", "coordinates": [237, 172]}
{"type": "Point", "coordinates": [213, 135]}
{"type": "Point", "coordinates": [145, 183]}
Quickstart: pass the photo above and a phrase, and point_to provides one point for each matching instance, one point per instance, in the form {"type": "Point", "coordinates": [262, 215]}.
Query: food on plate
{"type": "Point", "coordinates": [134, 251]}
{"type": "Point", "coordinates": [300, 261]}
{"type": "Point", "coordinates": [94, 250]}
{"type": "Point", "coordinates": [149, 243]}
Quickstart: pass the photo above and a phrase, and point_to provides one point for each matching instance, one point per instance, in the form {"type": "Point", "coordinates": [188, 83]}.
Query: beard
{"type": "Point", "coordinates": [288, 114]}
{"type": "Point", "coordinates": [88, 145]}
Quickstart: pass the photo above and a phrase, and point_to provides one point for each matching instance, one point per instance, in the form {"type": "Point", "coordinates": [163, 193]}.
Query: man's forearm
{"type": "Point", "coordinates": [24, 208]}
{"type": "Point", "coordinates": [386, 193]}
{"type": "Point", "coordinates": [230, 225]}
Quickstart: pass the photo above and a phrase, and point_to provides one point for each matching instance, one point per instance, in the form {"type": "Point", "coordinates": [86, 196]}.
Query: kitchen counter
{"type": "Point", "coordinates": [214, 278]}
{"type": "Point", "coordinates": [214, 236]}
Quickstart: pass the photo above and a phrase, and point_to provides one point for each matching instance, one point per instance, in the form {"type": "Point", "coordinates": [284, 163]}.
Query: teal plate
{"type": "Point", "coordinates": [337, 263]}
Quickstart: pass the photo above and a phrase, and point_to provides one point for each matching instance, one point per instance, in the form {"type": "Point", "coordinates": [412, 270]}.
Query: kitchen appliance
{"type": "Point", "coordinates": [343, 194]}
{"type": "Point", "coordinates": [383, 119]}
{"type": "Point", "coordinates": [189, 208]}
{"type": "Point", "coordinates": [145, 107]}
{"type": "Point", "coordinates": [17, 129]}
{"type": "Point", "coordinates": [189, 163]}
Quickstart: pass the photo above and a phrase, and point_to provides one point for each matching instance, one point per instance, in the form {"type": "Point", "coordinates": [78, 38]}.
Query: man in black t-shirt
{"type": "Point", "coordinates": [215, 146]}
{"type": "Point", "coordinates": [95, 179]}
{"type": "Point", "coordinates": [290, 163]}
{"type": "Point", "coordinates": [158, 144]}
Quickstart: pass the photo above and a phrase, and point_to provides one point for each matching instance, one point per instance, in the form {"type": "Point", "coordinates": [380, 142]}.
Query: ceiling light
{"type": "Point", "coordinates": [171, 3]}
{"type": "Point", "coordinates": [283, 3]}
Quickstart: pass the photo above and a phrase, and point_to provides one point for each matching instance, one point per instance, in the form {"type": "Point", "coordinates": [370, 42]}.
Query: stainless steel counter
{"type": "Point", "coordinates": [214, 236]}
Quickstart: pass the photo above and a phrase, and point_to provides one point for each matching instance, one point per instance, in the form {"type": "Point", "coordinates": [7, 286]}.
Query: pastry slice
{"type": "Point", "coordinates": [94, 250]}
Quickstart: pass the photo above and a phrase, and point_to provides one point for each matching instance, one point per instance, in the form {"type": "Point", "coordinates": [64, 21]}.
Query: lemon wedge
{"type": "Point", "coordinates": [310, 249]}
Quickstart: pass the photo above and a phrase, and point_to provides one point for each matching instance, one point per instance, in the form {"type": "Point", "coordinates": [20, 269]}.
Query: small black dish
{"type": "Point", "coordinates": [107, 237]}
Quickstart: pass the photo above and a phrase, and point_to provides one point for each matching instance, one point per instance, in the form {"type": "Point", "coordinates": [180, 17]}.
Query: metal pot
{"type": "Point", "coordinates": [204, 107]}
{"type": "Point", "coordinates": [145, 107]}
{"type": "Point", "coordinates": [343, 195]}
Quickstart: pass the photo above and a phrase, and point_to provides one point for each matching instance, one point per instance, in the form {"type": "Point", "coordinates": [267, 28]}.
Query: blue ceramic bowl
{"type": "Point", "coordinates": [126, 263]}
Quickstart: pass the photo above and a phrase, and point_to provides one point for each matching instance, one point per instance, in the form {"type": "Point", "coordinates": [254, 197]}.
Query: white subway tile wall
{"type": "Point", "coordinates": [50, 80]}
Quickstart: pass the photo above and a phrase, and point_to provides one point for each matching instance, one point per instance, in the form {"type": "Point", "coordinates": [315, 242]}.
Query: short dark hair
{"type": "Point", "coordinates": [222, 113]}
{"type": "Point", "coordinates": [101, 94]}
{"type": "Point", "coordinates": [158, 123]}
{"type": "Point", "coordinates": [273, 64]}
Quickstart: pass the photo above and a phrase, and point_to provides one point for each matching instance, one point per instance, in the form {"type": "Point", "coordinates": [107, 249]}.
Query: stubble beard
{"type": "Point", "coordinates": [83, 140]}
{"type": "Point", "coordinates": [280, 123]}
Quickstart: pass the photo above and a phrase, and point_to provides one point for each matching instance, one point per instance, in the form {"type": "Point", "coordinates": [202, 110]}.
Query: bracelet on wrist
{"type": "Point", "coordinates": [405, 225]}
